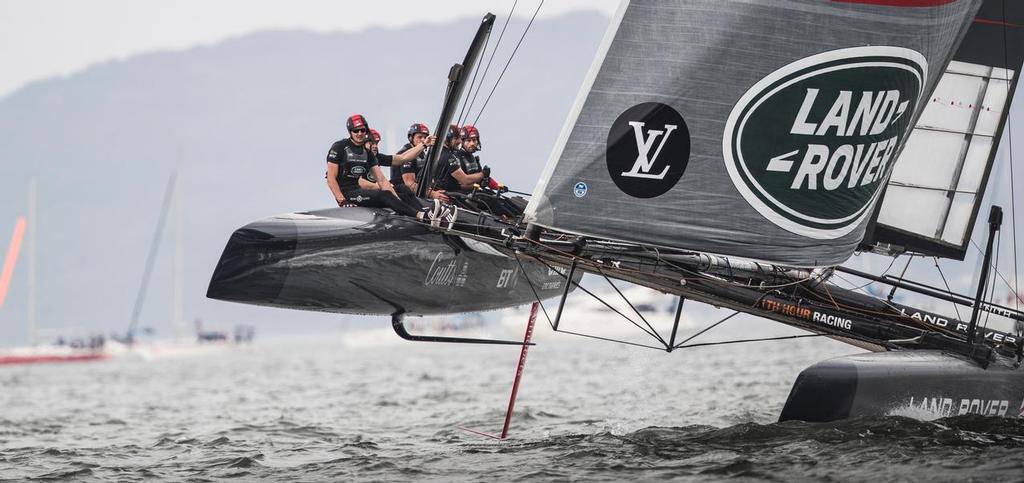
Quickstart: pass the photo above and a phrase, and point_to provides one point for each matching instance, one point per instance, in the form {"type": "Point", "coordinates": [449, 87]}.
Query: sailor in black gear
{"type": "Point", "coordinates": [465, 174]}
{"type": "Point", "coordinates": [396, 161]}
{"type": "Point", "coordinates": [349, 162]}
{"type": "Point", "coordinates": [409, 173]}
{"type": "Point", "coordinates": [452, 140]}
{"type": "Point", "coordinates": [369, 182]}
{"type": "Point", "coordinates": [464, 171]}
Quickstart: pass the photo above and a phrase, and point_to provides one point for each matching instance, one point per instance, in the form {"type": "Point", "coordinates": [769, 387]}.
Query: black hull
{"type": "Point", "coordinates": [919, 384]}
{"type": "Point", "coordinates": [368, 261]}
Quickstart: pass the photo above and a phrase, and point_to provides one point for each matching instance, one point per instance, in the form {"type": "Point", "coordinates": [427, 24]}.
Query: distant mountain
{"type": "Point", "coordinates": [252, 118]}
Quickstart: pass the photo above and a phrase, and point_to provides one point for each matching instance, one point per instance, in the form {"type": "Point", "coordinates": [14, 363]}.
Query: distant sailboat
{"type": "Point", "coordinates": [71, 349]}
{"type": "Point", "coordinates": [184, 343]}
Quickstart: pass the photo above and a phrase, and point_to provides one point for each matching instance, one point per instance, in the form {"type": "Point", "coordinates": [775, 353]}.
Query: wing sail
{"type": "Point", "coordinates": [934, 194]}
{"type": "Point", "coordinates": [754, 129]}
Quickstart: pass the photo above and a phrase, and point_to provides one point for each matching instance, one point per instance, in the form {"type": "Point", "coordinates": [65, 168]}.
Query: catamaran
{"type": "Point", "coordinates": [732, 153]}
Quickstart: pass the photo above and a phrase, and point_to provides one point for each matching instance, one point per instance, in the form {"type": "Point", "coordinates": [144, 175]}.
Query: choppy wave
{"type": "Point", "coordinates": [886, 448]}
{"type": "Point", "coordinates": [327, 415]}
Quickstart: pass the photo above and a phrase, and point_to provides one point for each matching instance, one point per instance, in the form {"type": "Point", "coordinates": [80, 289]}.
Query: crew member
{"type": "Point", "coordinates": [408, 173]}
{"type": "Point", "coordinates": [452, 140]}
{"type": "Point", "coordinates": [396, 161]}
{"type": "Point", "coordinates": [349, 161]}
{"type": "Point", "coordinates": [465, 173]}
{"type": "Point", "coordinates": [369, 182]}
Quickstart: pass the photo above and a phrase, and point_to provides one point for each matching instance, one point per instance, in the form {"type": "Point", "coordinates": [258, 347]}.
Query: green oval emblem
{"type": "Point", "coordinates": [810, 145]}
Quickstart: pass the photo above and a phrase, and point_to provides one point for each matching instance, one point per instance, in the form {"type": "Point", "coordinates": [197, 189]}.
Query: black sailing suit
{"type": "Point", "coordinates": [413, 166]}
{"type": "Point", "coordinates": [354, 162]}
{"type": "Point", "coordinates": [464, 160]}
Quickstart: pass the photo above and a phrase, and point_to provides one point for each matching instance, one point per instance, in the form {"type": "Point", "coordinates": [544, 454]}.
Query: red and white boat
{"type": "Point", "coordinates": [76, 349]}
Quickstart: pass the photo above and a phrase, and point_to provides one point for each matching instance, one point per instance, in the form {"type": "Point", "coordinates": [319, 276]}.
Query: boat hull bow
{"type": "Point", "coordinates": [369, 261]}
{"type": "Point", "coordinates": [920, 384]}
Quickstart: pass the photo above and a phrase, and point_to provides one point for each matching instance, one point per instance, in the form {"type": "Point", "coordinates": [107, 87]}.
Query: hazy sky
{"type": "Point", "coordinates": [45, 38]}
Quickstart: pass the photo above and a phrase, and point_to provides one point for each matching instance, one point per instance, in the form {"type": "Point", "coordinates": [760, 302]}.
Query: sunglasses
{"type": "Point", "coordinates": [359, 131]}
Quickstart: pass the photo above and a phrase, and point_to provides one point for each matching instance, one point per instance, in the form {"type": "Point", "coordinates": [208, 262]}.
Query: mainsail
{"type": "Point", "coordinates": [932, 199]}
{"type": "Point", "coordinates": [757, 129]}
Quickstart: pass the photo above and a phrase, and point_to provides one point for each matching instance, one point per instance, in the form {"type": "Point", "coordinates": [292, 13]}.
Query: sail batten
{"type": "Point", "coordinates": [761, 130]}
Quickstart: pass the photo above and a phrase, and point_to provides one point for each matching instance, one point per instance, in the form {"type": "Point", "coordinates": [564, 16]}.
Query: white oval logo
{"type": "Point", "coordinates": [580, 190]}
{"type": "Point", "coordinates": [810, 145]}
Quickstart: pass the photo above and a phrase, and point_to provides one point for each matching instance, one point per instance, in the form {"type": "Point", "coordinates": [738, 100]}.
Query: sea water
{"type": "Point", "coordinates": [314, 409]}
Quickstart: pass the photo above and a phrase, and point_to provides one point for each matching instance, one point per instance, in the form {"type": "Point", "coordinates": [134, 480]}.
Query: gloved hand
{"type": "Point", "coordinates": [487, 171]}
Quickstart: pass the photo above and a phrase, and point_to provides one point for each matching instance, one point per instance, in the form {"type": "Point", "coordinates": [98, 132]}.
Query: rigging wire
{"type": "Point", "coordinates": [742, 341]}
{"type": "Point", "coordinates": [1009, 140]}
{"type": "Point", "coordinates": [681, 345]}
{"type": "Point", "coordinates": [494, 50]}
{"type": "Point", "coordinates": [944, 282]}
{"type": "Point", "coordinates": [712, 326]}
{"type": "Point", "coordinates": [522, 270]}
{"type": "Point", "coordinates": [884, 273]}
{"type": "Point", "coordinates": [510, 57]}
{"type": "Point", "coordinates": [648, 324]}
{"type": "Point", "coordinates": [887, 304]}
{"type": "Point", "coordinates": [1017, 298]}
{"type": "Point", "coordinates": [896, 312]}
{"type": "Point", "coordinates": [472, 81]}
{"type": "Point", "coordinates": [830, 297]}
{"type": "Point", "coordinates": [591, 336]}
{"type": "Point", "coordinates": [653, 333]}
{"type": "Point", "coordinates": [853, 285]}
{"type": "Point", "coordinates": [569, 281]}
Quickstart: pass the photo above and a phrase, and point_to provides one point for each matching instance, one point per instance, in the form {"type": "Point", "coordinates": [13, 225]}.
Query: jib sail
{"type": "Point", "coordinates": [762, 130]}
{"type": "Point", "coordinates": [932, 198]}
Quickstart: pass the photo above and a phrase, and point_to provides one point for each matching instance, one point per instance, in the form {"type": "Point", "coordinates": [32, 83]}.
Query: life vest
{"type": "Point", "coordinates": [356, 163]}
{"type": "Point", "coordinates": [470, 163]}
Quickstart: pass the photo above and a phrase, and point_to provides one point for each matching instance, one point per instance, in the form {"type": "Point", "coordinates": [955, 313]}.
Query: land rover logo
{"type": "Point", "coordinates": [810, 145]}
{"type": "Point", "coordinates": [358, 170]}
{"type": "Point", "coordinates": [648, 149]}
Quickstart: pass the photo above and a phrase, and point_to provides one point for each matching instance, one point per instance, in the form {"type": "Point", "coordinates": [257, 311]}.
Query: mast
{"type": "Point", "coordinates": [995, 219]}
{"type": "Point", "coordinates": [456, 77]}
{"type": "Point", "coordinates": [30, 311]}
{"type": "Point", "coordinates": [151, 259]}
{"type": "Point", "coordinates": [177, 285]}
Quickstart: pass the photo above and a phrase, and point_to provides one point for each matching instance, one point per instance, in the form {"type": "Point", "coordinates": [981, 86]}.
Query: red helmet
{"type": "Point", "coordinates": [356, 121]}
{"type": "Point", "coordinates": [419, 128]}
{"type": "Point", "coordinates": [374, 135]}
{"type": "Point", "coordinates": [470, 132]}
{"type": "Point", "coordinates": [453, 132]}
